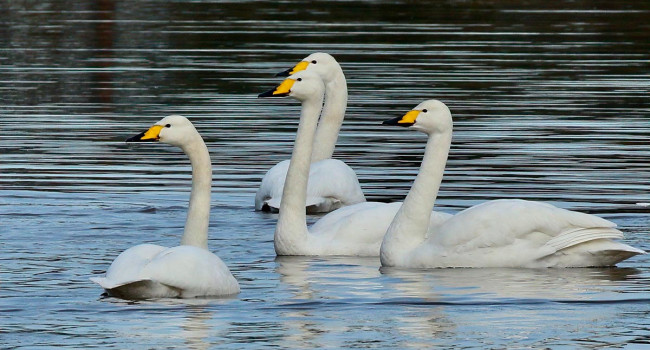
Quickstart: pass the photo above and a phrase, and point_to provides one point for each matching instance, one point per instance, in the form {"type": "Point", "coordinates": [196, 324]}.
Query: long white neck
{"type": "Point", "coordinates": [291, 230]}
{"type": "Point", "coordinates": [336, 100]}
{"type": "Point", "coordinates": [410, 225]}
{"type": "Point", "coordinates": [198, 213]}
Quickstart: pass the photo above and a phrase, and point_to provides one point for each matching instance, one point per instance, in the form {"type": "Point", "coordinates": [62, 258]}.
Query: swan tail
{"type": "Point", "coordinates": [107, 283]}
{"type": "Point", "coordinates": [271, 204]}
{"type": "Point", "coordinates": [580, 235]}
{"type": "Point", "coordinates": [588, 247]}
{"type": "Point", "coordinates": [594, 253]}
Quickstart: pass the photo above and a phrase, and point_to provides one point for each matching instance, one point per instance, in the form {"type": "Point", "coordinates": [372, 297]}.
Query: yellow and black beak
{"type": "Point", "coordinates": [407, 120]}
{"type": "Point", "coordinates": [302, 65]}
{"type": "Point", "coordinates": [151, 135]}
{"type": "Point", "coordinates": [282, 90]}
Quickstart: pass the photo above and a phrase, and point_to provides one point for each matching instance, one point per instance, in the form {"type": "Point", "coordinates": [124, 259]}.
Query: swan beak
{"type": "Point", "coordinates": [282, 90]}
{"type": "Point", "coordinates": [284, 73]}
{"type": "Point", "coordinates": [302, 65]}
{"type": "Point", "coordinates": [153, 134]}
{"type": "Point", "coordinates": [407, 120]}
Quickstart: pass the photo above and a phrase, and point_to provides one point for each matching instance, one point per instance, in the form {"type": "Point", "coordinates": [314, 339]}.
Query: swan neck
{"type": "Point", "coordinates": [198, 213]}
{"type": "Point", "coordinates": [291, 230]}
{"type": "Point", "coordinates": [336, 101]}
{"type": "Point", "coordinates": [411, 223]}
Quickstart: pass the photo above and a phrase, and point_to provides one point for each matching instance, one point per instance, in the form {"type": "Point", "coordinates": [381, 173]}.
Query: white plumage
{"type": "Point", "coordinates": [355, 230]}
{"type": "Point", "coordinates": [500, 233]}
{"type": "Point", "coordinates": [332, 183]}
{"type": "Point", "coordinates": [151, 271]}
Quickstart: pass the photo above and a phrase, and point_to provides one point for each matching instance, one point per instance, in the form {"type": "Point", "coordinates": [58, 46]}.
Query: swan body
{"type": "Point", "coordinates": [332, 183]}
{"type": "Point", "coordinates": [499, 233]}
{"type": "Point", "coordinates": [355, 230]}
{"type": "Point", "coordinates": [149, 271]}
{"type": "Point", "coordinates": [328, 179]}
{"type": "Point", "coordinates": [358, 230]}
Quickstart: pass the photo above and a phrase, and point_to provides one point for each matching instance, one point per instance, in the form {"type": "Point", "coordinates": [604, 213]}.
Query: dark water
{"type": "Point", "coordinates": [550, 101]}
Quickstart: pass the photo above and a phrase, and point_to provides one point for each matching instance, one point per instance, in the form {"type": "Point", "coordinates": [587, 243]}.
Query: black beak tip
{"type": "Point", "coordinates": [271, 93]}
{"type": "Point", "coordinates": [393, 121]}
{"type": "Point", "coordinates": [266, 93]}
{"type": "Point", "coordinates": [138, 138]}
{"type": "Point", "coordinates": [135, 138]}
{"type": "Point", "coordinates": [284, 73]}
{"type": "Point", "coordinates": [396, 122]}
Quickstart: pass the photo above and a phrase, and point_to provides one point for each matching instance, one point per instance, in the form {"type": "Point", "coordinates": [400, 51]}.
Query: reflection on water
{"type": "Point", "coordinates": [550, 101]}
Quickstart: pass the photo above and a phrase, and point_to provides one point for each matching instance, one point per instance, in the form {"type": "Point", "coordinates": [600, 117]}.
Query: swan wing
{"type": "Point", "coordinates": [436, 219]}
{"type": "Point", "coordinates": [353, 230]}
{"type": "Point", "coordinates": [272, 184]}
{"type": "Point", "coordinates": [501, 222]}
{"type": "Point", "coordinates": [359, 229]}
{"type": "Point", "coordinates": [333, 178]}
{"type": "Point", "coordinates": [192, 270]}
{"type": "Point", "coordinates": [127, 267]}
{"type": "Point", "coordinates": [188, 271]}
{"type": "Point", "coordinates": [332, 184]}
{"type": "Point", "coordinates": [523, 233]}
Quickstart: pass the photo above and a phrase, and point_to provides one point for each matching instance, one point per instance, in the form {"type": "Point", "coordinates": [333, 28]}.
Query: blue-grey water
{"type": "Point", "coordinates": [550, 100]}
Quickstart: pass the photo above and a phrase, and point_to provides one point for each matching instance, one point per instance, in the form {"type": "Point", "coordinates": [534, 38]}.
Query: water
{"type": "Point", "coordinates": [550, 101]}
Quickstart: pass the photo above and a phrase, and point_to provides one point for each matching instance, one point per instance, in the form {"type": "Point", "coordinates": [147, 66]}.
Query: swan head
{"type": "Point", "coordinates": [302, 86]}
{"type": "Point", "coordinates": [174, 130]}
{"type": "Point", "coordinates": [430, 117]}
{"type": "Point", "coordinates": [321, 63]}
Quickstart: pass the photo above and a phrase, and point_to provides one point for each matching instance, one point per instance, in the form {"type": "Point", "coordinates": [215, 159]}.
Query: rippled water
{"type": "Point", "coordinates": [550, 101]}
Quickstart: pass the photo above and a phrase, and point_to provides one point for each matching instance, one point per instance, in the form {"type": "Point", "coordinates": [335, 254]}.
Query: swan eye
{"type": "Point", "coordinates": [168, 125]}
{"type": "Point", "coordinates": [299, 79]}
{"type": "Point", "coordinates": [424, 110]}
{"type": "Point", "coordinates": [314, 62]}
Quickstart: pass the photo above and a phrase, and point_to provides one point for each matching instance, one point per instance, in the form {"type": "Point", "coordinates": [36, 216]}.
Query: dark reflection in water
{"type": "Point", "coordinates": [550, 101]}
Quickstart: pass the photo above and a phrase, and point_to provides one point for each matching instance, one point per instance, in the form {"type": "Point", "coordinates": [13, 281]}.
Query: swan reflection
{"type": "Point", "coordinates": [319, 277]}
{"type": "Point", "coordinates": [470, 285]}
{"type": "Point", "coordinates": [436, 305]}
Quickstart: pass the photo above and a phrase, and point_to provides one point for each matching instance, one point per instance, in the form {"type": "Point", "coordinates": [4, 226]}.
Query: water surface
{"type": "Point", "coordinates": [550, 102]}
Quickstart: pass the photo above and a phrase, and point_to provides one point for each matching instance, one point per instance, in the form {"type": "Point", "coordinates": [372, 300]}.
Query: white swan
{"type": "Point", "coordinates": [332, 183]}
{"type": "Point", "coordinates": [355, 230]}
{"type": "Point", "coordinates": [501, 233]}
{"type": "Point", "coordinates": [151, 271]}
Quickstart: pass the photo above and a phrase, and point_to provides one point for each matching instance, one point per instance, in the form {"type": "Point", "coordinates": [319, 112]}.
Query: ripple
{"type": "Point", "coordinates": [549, 102]}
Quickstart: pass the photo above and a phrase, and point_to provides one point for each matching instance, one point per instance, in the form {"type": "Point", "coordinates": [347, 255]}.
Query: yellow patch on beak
{"type": "Point", "coordinates": [285, 87]}
{"type": "Point", "coordinates": [302, 65]}
{"type": "Point", "coordinates": [409, 117]}
{"type": "Point", "coordinates": [153, 133]}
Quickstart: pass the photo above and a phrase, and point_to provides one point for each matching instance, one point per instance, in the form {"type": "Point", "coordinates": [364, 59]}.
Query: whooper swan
{"type": "Point", "coordinates": [500, 233]}
{"type": "Point", "coordinates": [332, 183]}
{"type": "Point", "coordinates": [151, 271]}
{"type": "Point", "coordinates": [355, 230]}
